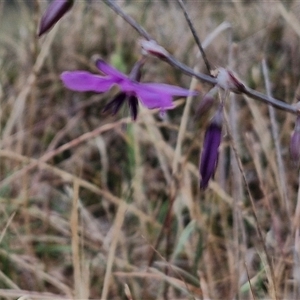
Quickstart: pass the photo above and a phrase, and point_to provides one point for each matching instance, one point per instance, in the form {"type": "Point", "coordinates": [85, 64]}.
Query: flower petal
{"type": "Point", "coordinates": [83, 81]}
{"type": "Point", "coordinates": [167, 89]}
{"type": "Point", "coordinates": [109, 70]}
{"type": "Point", "coordinates": [152, 99]}
{"type": "Point", "coordinates": [128, 86]}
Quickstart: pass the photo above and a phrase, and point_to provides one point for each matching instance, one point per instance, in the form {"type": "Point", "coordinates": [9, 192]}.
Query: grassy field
{"type": "Point", "coordinates": [84, 196]}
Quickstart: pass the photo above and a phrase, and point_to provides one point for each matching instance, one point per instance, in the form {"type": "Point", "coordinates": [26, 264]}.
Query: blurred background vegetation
{"type": "Point", "coordinates": [84, 195]}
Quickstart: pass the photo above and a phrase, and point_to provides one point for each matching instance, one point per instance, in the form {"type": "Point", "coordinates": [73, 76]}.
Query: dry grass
{"type": "Point", "coordinates": [85, 197]}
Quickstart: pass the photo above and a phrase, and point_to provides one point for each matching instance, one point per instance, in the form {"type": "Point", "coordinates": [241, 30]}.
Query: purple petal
{"type": "Point", "coordinates": [128, 86]}
{"type": "Point", "coordinates": [109, 70]}
{"type": "Point", "coordinates": [167, 89]}
{"type": "Point", "coordinates": [152, 99]}
{"type": "Point", "coordinates": [210, 153]}
{"type": "Point", "coordinates": [53, 14]}
{"type": "Point", "coordinates": [83, 81]}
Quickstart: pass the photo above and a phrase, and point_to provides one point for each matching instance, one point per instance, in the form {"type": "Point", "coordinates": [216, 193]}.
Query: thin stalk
{"type": "Point", "coordinates": [117, 9]}
{"type": "Point", "coordinates": [296, 254]}
{"type": "Point", "coordinates": [238, 191]}
{"type": "Point", "coordinates": [258, 227]}
{"type": "Point", "coordinates": [193, 30]}
{"type": "Point", "coordinates": [274, 127]}
{"type": "Point", "coordinates": [117, 228]}
{"type": "Point", "coordinates": [189, 71]}
{"type": "Point", "coordinates": [75, 242]}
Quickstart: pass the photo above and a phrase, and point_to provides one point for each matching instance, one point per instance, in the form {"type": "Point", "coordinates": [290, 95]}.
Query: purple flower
{"type": "Point", "coordinates": [295, 142]}
{"type": "Point", "coordinates": [53, 14]}
{"type": "Point", "coordinates": [210, 151]}
{"type": "Point", "coordinates": [152, 95]}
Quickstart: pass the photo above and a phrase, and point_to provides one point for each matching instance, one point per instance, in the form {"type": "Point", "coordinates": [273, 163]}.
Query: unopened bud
{"type": "Point", "coordinates": [210, 151]}
{"type": "Point", "coordinates": [152, 48]}
{"type": "Point", "coordinates": [136, 72]}
{"type": "Point", "coordinates": [228, 81]}
{"type": "Point", "coordinates": [55, 11]}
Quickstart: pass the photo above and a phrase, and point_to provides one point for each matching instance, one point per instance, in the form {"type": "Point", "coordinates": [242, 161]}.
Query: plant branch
{"type": "Point", "coordinates": [203, 77]}
{"type": "Point", "coordinates": [197, 40]}
{"type": "Point", "coordinates": [117, 9]}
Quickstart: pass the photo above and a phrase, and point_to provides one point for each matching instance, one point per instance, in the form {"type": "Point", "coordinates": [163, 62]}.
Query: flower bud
{"type": "Point", "coordinates": [228, 81]}
{"type": "Point", "coordinates": [210, 151]}
{"type": "Point", "coordinates": [295, 142]}
{"type": "Point", "coordinates": [53, 14]}
{"type": "Point", "coordinates": [136, 72]}
{"type": "Point", "coordinates": [152, 48]}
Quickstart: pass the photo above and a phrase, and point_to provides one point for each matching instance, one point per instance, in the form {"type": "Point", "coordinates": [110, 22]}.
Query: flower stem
{"type": "Point", "coordinates": [189, 71]}
{"type": "Point", "coordinates": [197, 40]}
{"type": "Point", "coordinates": [117, 9]}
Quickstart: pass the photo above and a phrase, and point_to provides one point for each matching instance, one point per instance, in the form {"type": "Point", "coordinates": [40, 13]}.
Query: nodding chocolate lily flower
{"type": "Point", "coordinates": [295, 142]}
{"type": "Point", "coordinates": [210, 151]}
{"type": "Point", "coordinates": [55, 11]}
{"type": "Point", "coordinates": [152, 95]}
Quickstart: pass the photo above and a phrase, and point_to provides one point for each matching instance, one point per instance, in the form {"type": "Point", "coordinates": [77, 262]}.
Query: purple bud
{"type": "Point", "coordinates": [136, 72]}
{"type": "Point", "coordinates": [295, 142]}
{"type": "Point", "coordinates": [53, 14]}
{"type": "Point", "coordinates": [210, 151]}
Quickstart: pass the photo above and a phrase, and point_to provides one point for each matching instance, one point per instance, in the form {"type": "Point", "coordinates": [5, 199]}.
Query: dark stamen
{"type": "Point", "coordinates": [133, 106]}
{"type": "Point", "coordinates": [115, 104]}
